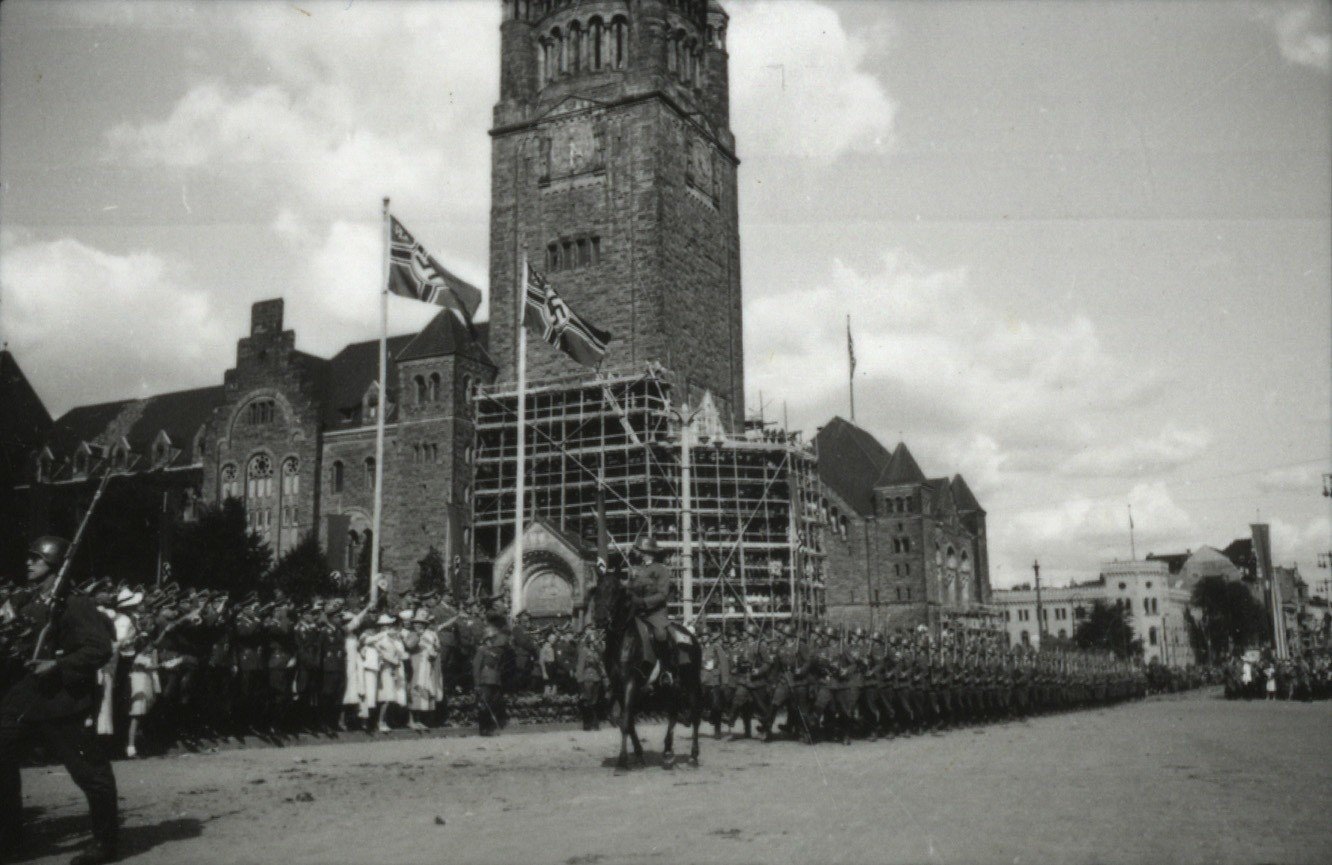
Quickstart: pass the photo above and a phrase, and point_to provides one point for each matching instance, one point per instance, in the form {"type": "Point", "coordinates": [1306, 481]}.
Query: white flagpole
{"type": "Point", "coordinates": [381, 403]}
{"type": "Point", "coordinates": [516, 585]}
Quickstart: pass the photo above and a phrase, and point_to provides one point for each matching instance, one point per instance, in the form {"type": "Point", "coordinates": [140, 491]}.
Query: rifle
{"type": "Point", "coordinates": [61, 586]}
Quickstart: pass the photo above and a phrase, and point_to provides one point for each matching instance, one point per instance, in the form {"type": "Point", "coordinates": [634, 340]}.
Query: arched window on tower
{"type": "Point", "coordinates": [562, 50]}
{"type": "Point", "coordinates": [434, 386]}
{"type": "Point", "coordinates": [596, 34]}
{"type": "Point", "coordinates": [338, 476]}
{"type": "Point", "coordinates": [370, 472]}
{"type": "Point", "coordinates": [420, 385]}
{"type": "Point", "coordinates": [575, 48]}
{"type": "Point", "coordinates": [619, 42]}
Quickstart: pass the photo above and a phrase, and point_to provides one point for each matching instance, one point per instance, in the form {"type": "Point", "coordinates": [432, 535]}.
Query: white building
{"type": "Point", "coordinates": [1156, 601]}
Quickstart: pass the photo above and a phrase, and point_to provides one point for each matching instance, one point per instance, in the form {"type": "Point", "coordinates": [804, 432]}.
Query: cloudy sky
{"type": "Point", "coordinates": [1085, 245]}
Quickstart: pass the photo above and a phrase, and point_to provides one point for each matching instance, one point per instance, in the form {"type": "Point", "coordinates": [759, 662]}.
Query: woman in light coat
{"type": "Point", "coordinates": [425, 688]}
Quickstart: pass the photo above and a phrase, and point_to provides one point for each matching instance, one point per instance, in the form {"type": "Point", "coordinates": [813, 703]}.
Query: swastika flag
{"type": "Point", "coordinates": [413, 273]}
{"type": "Point", "coordinates": [547, 315]}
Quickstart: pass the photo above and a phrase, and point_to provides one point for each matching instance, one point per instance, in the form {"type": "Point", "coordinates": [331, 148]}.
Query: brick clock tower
{"type": "Point", "coordinates": [614, 170]}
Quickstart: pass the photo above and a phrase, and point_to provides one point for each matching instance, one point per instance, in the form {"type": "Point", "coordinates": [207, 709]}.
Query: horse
{"type": "Point", "coordinates": [629, 668]}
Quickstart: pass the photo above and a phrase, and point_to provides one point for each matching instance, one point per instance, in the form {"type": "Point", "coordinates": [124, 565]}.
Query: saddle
{"type": "Point", "coordinates": [680, 638]}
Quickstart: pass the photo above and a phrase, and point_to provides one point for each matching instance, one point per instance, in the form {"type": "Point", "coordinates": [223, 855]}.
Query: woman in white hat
{"type": "Point", "coordinates": [353, 691]}
{"type": "Point", "coordinates": [126, 600]}
{"type": "Point", "coordinates": [425, 674]}
{"type": "Point", "coordinates": [392, 681]}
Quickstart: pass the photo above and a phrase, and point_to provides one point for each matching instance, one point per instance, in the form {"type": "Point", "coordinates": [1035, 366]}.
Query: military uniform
{"type": "Point", "coordinates": [54, 707]}
{"type": "Point", "coordinates": [715, 679]}
{"type": "Point", "coordinates": [492, 657]}
{"type": "Point", "coordinates": [592, 679]}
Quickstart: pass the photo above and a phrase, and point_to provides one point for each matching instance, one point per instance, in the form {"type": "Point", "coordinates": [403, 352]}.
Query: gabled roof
{"type": "Point", "coordinates": [349, 374]}
{"type": "Point", "coordinates": [443, 336]}
{"type": "Point", "coordinates": [901, 469]}
{"type": "Point", "coordinates": [962, 495]}
{"type": "Point", "coordinates": [178, 414]}
{"type": "Point", "coordinates": [24, 422]}
{"type": "Point", "coordinates": [850, 461]}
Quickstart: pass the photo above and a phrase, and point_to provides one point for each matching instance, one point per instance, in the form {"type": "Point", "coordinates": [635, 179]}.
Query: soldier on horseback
{"type": "Point", "coordinates": [650, 585]}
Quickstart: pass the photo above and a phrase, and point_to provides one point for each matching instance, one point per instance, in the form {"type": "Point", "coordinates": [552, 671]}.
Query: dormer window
{"type": "Point", "coordinates": [81, 460]}
{"type": "Point", "coordinates": [44, 466]}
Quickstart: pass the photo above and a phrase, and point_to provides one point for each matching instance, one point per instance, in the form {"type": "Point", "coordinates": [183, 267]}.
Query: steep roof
{"type": "Point", "coordinates": [443, 336]}
{"type": "Point", "coordinates": [179, 414]}
{"type": "Point", "coordinates": [350, 373]}
{"type": "Point", "coordinates": [25, 422]}
{"type": "Point", "coordinates": [901, 469]}
{"type": "Point", "coordinates": [850, 461]}
{"type": "Point", "coordinates": [963, 496]}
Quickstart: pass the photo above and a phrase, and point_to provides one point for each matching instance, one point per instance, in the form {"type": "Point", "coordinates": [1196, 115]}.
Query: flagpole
{"type": "Point", "coordinates": [381, 408]}
{"type": "Point", "coordinates": [851, 363]}
{"type": "Point", "coordinates": [516, 584]}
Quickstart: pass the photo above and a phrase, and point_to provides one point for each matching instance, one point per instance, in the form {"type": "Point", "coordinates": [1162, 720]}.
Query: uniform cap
{"type": "Point", "coordinates": [128, 599]}
{"type": "Point", "coordinates": [646, 545]}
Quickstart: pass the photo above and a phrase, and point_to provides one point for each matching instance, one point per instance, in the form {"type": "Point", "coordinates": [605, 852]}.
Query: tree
{"type": "Point", "coordinates": [303, 571]}
{"type": "Point", "coordinates": [430, 572]}
{"type": "Point", "coordinates": [218, 551]}
{"type": "Point", "coordinates": [1229, 619]}
{"type": "Point", "coordinates": [1108, 628]}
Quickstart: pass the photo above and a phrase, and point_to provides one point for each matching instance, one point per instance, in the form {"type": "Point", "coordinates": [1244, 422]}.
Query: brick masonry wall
{"type": "Point", "coordinates": [668, 283]}
{"type": "Point", "coordinates": [266, 369]}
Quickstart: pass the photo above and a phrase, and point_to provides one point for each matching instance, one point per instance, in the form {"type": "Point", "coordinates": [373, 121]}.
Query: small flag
{"type": "Point", "coordinates": [850, 346]}
{"type": "Point", "coordinates": [545, 313]}
{"type": "Point", "coordinates": [413, 273]}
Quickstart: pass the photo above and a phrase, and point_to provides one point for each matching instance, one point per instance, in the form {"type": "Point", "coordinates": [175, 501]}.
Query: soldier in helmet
{"type": "Point", "coordinates": [650, 586]}
{"type": "Point", "coordinates": [54, 700]}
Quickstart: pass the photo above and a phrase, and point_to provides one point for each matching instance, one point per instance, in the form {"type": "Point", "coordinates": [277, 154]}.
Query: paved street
{"type": "Point", "coordinates": [1180, 779]}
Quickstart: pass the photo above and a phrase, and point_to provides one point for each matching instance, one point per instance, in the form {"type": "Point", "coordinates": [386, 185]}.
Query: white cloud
{"type": "Point", "coordinates": [66, 302]}
{"type": "Point", "coordinates": [1294, 479]}
{"type": "Point", "coordinates": [939, 363]}
{"type": "Point", "coordinates": [321, 137]}
{"type": "Point", "coordinates": [798, 84]}
{"type": "Point", "coordinates": [1302, 38]}
{"type": "Point", "coordinates": [1301, 30]}
{"type": "Point", "coordinates": [1303, 543]}
{"type": "Point", "coordinates": [1172, 447]}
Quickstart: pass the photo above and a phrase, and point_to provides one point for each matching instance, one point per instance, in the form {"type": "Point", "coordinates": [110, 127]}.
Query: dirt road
{"type": "Point", "coordinates": [1187, 779]}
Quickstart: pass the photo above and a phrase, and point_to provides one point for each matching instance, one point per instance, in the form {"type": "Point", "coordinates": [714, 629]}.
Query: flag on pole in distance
{"type": "Point", "coordinates": [850, 346]}
{"type": "Point", "coordinates": [413, 273]}
{"type": "Point", "coordinates": [548, 316]}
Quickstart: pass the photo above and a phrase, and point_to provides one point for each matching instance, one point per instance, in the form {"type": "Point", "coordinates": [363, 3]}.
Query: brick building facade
{"type": "Point", "coordinates": [613, 170]}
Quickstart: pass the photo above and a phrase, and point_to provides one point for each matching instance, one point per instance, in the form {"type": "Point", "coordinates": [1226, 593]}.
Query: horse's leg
{"type": "Point", "coordinates": [668, 750]}
{"type": "Point", "coordinates": [631, 713]}
{"type": "Point", "coordinates": [696, 699]}
{"type": "Point", "coordinates": [626, 721]}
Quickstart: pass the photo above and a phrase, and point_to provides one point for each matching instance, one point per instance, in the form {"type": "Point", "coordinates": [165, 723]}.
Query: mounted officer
{"type": "Point", "coordinates": [650, 587]}
{"type": "Point", "coordinates": [53, 701]}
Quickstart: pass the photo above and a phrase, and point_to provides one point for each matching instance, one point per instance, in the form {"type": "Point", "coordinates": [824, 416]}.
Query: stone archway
{"type": "Point", "coordinates": [555, 572]}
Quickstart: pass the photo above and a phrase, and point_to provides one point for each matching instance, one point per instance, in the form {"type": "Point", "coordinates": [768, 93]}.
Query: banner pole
{"type": "Point", "coordinates": [516, 584]}
{"type": "Point", "coordinates": [381, 408]}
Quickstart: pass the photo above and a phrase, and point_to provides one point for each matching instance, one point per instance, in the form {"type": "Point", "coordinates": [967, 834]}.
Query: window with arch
{"type": "Point", "coordinates": [370, 472]}
{"type": "Point", "coordinates": [596, 35]}
{"type": "Point", "coordinates": [231, 482]}
{"type": "Point", "coordinates": [466, 388]}
{"type": "Point", "coordinates": [1151, 636]}
{"type": "Point", "coordinates": [338, 478]}
{"type": "Point", "coordinates": [259, 477]}
{"type": "Point", "coordinates": [435, 382]}
{"type": "Point", "coordinates": [619, 42]}
{"type": "Point", "coordinates": [422, 392]}
{"type": "Point", "coordinates": [260, 412]}
{"type": "Point", "coordinates": [291, 476]}
{"type": "Point", "coordinates": [575, 49]}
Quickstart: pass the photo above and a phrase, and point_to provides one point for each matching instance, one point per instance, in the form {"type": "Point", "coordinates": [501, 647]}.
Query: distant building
{"type": "Point", "coordinates": [1156, 601]}
{"type": "Point", "coordinates": [905, 549]}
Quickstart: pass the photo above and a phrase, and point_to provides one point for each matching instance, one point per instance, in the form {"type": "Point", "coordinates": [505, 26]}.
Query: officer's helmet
{"type": "Point", "coordinates": [50, 549]}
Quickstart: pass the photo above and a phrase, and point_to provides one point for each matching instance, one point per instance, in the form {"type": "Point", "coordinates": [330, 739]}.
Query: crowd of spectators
{"type": "Point", "coordinates": [1260, 676]}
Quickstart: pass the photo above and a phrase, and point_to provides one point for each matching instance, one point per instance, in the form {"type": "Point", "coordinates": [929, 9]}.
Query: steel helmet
{"type": "Point", "coordinates": [50, 549]}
